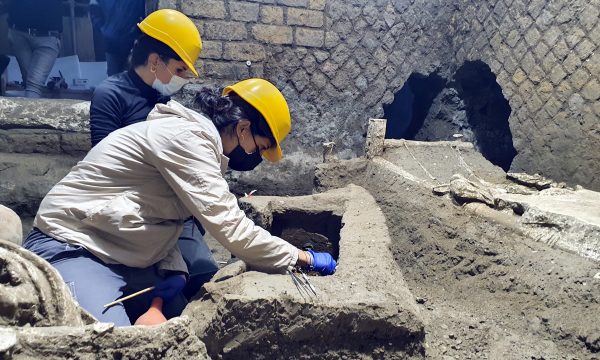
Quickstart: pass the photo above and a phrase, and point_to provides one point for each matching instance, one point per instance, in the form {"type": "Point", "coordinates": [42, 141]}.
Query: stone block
{"type": "Point", "coordinates": [225, 30]}
{"type": "Point", "coordinates": [10, 226]}
{"type": "Point", "coordinates": [243, 51]}
{"type": "Point", "coordinates": [519, 76]}
{"type": "Point", "coordinates": [540, 51]}
{"type": "Point", "coordinates": [532, 36]}
{"type": "Point", "coordinates": [24, 141]}
{"type": "Point", "coordinates": [591, 91]}
{"type": "Point", "coordinates": [534, 104]}
{"type": "Point", "coordinates": [579, 78]}
{"type": "Point", "coordinates": [317, 4]}
{"type": "Point", "coordinates": [553, 106]}
{"type": "Point", "coordinates": [243, 11]}
{"type": "Point", "coordinates": [561, 50]}
{"type": "Point", "coordinates": [574, 36]}
{"type": "Point", "coordinates": [271, 15]}
{"type": "Point", "coordinates": [589, 17]}
{"type": "Point", "coordinates": [226, 70]}
{"type": "Point", "coordinates": [305, 17]}
{"type": "Point", "coordinates": [211, 50]}
{"type": "Point", "coordinates": [551, 35]}
{"type": "Point", "coordinates": [76, 144]}
{"type": "Point", "coordinates": [309, 37]}
{"type": "Point", "coordinates": [585, 48]}
{"type": "Point", "coordinates": [593, 63]}
{"type": "Point", "coordinates": [294, 3]}
{"type": "Point", "coordinates": [549, 62]}
{"type": "Point", "coordinates": [595, 35]}
{"type": "Point", "coordinates": [204, 9]}
{"type": "Point", "coordinates": [273, 34]}
{"type": "Point", "coordinates": [572, 62]}
{"type": "Point", "coordinates": [513, 37]}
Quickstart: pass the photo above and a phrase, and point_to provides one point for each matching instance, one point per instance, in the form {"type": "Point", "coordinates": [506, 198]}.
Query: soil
{"type": "Point", "coordinates": [485, 291]}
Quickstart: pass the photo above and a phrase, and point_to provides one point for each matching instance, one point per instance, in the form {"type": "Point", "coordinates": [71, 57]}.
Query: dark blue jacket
{"type": "Point", "coordinates": [121, 100]}
{"type": "Point", "coordinates": [117, 20]}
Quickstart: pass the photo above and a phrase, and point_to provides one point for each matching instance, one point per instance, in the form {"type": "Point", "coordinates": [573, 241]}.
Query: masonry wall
{"type": "Point", "coordinates": [547, 59]}
{"type": "Point", "coordinates": [338, 62]}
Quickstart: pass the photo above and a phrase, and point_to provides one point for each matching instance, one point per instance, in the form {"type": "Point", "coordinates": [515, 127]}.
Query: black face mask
{"type": "Point", "coordinates": [239, 160]}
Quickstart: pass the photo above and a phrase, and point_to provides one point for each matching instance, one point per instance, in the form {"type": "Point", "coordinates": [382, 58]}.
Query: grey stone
{"type": "Point", "coordinates": [585, 48]}
{"type": "Point", "coordinates": [317, 4]}
{"type": "Point", "coordinates": [591, 90]}
{"type": "Point", "coordinates": [243, 11]}
{"type": "Point", "coordinates": [225, 30]}
{"type": "Point", "coordinates": [226, 70]}
{"type": "Point", "coordinates": [10, 227]}
{"type": "Point", "coordinates": [271, 15]}
{"type": "Point", "coordinates": [579, 78]}
{"type": "Point", "coordinates": [309, 37]}
{"type": "Point", "coordinates": [212, 50]}
{"type": "Point", "coordinates": [243, 51]}
{"type": "Point", "coordinates": [273, 34]}
{"type": "Point", "coordinates": [305, 17]}
{"type": "Point", "coordinates": [205, 9]}
{"type": "Point", "coordinates": [294, 3]}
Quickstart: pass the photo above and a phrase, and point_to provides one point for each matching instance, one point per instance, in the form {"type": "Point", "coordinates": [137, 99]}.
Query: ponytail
{"type": "Point", "coordinates": [226, 110]}
{"type": "Point", "coordinates": [220, 109]}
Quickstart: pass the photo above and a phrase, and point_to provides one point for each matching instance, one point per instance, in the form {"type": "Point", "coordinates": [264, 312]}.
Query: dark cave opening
{"type": "Point", "coordinates": [471, 105]}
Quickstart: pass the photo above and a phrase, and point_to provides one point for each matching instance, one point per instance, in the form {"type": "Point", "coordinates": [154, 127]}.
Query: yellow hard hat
{"type": "Point", "coordinates": [177, 31]}
{"type": "Point", "coordinates": [269, 101]}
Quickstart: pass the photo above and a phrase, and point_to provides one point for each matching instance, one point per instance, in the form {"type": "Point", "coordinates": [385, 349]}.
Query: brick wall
{"type": "Point", "coordinates": [339, 61]}
{"type": "Point", "coordinates": [546, 56]}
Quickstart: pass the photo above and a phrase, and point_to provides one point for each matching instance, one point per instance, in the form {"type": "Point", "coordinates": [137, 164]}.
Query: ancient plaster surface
{"type": "Point", "coordinates": [363, 309]}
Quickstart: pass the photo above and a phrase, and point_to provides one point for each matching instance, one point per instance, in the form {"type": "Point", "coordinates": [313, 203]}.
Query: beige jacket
{"type": "Point", "coordinates": [126, 200]}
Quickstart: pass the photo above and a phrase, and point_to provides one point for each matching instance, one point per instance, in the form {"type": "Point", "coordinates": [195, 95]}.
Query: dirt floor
{"type": "Point", "coordinates": [485, 291]}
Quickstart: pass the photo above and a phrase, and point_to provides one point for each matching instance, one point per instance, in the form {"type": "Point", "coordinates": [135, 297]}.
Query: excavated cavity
{"type": "Point", "coordinates": [363, 310]}
{"type": "Point", "coordinates": [307, 230]}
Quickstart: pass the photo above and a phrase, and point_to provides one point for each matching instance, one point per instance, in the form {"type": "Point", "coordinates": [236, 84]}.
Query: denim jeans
{"type": "Point", "coordinates": [93, 283]}
{"type": "Point", "coordinates": [36, 56]}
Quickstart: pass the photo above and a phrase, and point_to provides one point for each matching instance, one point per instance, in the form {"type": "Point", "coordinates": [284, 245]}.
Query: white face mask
{"type": "Point", "coordinates": [174, 85]}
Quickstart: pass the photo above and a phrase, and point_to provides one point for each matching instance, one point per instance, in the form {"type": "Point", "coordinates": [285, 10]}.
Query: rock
{"type": "Point", "coordinates": [10, 226]}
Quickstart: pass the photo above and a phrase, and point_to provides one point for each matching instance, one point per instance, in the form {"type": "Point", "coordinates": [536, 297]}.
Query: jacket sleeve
{"type": "Point", "coordinates": [105, 113]}
{"type": "Point", "coordinates": [188, 163]}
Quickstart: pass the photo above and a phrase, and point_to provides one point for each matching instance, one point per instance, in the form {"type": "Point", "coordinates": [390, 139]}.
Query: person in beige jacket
{"type": "Point", "coordinates": [110, 227]}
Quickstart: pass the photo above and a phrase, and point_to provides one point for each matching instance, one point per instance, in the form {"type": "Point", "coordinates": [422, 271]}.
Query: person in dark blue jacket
{"type": "Point", "coordinates": [162, 61]}
{"type": "Point", "coordinates": [116, 20]}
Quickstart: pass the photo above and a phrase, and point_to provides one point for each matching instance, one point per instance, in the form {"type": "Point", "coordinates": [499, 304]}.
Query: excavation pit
{"type": "Point", "coordinates": [306, 230]}
{"type": "Point", "coordinates": [363, 309]}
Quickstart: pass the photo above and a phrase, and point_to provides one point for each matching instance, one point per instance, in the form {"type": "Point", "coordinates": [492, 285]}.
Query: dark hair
{"type": "Point", "coordinates": [146, 45]}
{"type": "Point", "coordinates": [228, 110]}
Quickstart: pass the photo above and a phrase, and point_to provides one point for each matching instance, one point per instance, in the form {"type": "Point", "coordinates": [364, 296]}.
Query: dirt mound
{"type": "Point", "coordinates": [486, 290]}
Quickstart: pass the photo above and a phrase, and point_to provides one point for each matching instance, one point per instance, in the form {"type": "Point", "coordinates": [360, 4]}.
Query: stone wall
{"type": "Point", "coordinates": [546, 57]}
{"type": "Point", "coordinates": [339, 62]}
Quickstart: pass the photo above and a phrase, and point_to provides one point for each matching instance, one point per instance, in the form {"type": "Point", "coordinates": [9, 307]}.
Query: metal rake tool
{"type": "Point", "coordinates": [303, 284]}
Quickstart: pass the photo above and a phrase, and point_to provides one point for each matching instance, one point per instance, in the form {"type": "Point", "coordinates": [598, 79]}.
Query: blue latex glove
{"type": "Point", "coordinates": [322, 262]}
{"type": "Point", "coordinates": [169, 287]}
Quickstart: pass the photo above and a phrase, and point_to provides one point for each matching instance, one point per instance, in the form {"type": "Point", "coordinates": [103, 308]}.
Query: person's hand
{"type": "Point", "coordinates": [169, 287]}
{"type": "Point", "coordinates": [322, 262]}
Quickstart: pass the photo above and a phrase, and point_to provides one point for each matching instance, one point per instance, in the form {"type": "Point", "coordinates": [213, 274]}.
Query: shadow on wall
{"type": "Point", "coordinates": [471, 106]}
